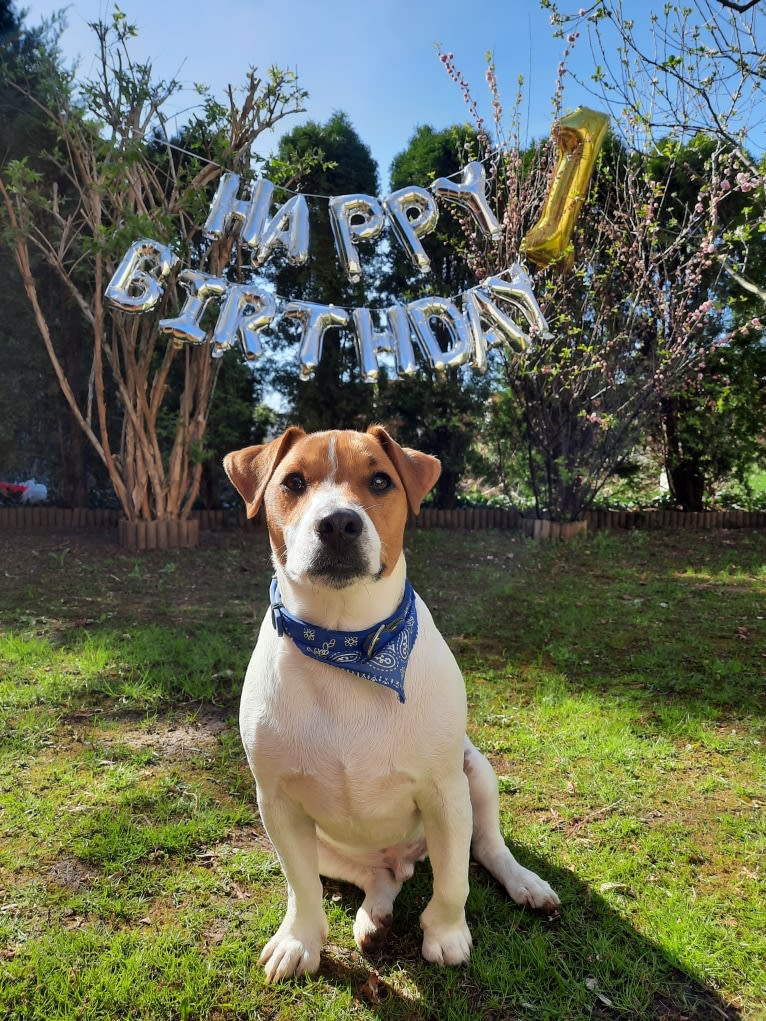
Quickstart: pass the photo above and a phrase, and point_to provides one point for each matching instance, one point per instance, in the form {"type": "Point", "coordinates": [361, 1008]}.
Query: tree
{"type": "Point", "coordinates": [710, 432]}
{"type": "Point", "coordinates": [33, 437]}
{"type": "Point", "coordinates": [334, 396]}
{"type": "Point", "coordinates": [684, 70]}
{"type": "Point", "coordinates": [709, 425]}
{"type": "Point", "coordinates": [238, 418]}
{"type": "Point", "coordinates": [628, 306]}
{"type": "Point", "coordinates": [441, 413]}
{"type": "Point", "coordinates": [123, 182]}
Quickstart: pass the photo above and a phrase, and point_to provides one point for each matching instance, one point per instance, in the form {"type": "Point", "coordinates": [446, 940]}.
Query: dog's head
{"type": "Point", "coordinates": [336, 502]}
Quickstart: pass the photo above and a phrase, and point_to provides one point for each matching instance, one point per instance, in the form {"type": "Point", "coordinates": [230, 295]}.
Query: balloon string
{"type": "Point", "coordinates": [384, 308]}
{"type": "Point", "coordinates": [281, 187]}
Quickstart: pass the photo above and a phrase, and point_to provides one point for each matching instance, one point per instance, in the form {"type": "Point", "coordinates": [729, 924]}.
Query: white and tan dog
{"type": "Point", "coordinates": [353, 782]}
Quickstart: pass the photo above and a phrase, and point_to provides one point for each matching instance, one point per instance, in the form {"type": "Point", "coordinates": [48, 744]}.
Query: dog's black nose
{"type": "Point", "coordinates": [340, 528]}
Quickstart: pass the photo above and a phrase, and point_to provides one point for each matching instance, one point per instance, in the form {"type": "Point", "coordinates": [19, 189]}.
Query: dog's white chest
{"type": "Point", "coordinates": [344, 748]}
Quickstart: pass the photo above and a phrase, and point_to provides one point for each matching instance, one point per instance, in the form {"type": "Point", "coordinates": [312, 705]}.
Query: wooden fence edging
{"type": "Point", "coordinates": [46, 519]}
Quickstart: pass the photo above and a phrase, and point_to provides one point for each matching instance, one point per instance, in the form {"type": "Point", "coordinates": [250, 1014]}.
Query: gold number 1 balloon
{"type": "Point", "coordinates": [580, 136]}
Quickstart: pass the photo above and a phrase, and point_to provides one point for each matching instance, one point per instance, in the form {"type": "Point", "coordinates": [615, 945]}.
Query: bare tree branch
{"type": "Point", "coordinates": [108, 177]}
{"type": "Point", "coordinates": [738, 7]}
{"type": "Point", "coordinates": [744, 282]}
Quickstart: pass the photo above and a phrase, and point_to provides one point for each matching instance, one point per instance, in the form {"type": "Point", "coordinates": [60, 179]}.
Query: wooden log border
{"type": "Point", "coordinates": [185, 534]}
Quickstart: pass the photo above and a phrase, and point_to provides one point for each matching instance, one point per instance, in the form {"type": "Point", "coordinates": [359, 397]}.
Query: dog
{"type": "Point", "coordinates": [353, 710]}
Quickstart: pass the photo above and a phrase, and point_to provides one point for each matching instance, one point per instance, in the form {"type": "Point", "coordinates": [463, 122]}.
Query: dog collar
{"type": "Point", "coordinates": [379, 653]}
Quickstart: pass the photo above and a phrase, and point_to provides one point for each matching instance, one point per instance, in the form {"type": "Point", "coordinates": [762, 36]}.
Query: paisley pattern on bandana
{"type": "Point", "coordinates": [379, 653]}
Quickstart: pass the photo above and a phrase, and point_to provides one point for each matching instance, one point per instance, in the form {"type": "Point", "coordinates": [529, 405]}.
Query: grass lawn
{"type": "Point", "coordinates": [617, 683]}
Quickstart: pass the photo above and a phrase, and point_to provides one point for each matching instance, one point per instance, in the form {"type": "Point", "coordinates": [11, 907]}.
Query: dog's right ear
{"type": "Point", "coordinates": [251, 468]}
{"type": "Point", "coordinates": [419, 472]}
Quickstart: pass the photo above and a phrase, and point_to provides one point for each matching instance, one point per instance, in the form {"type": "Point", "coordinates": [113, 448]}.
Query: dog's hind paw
{"type": "Point", "coordinates": [370, 931]}
{"type": "Point", "coordinates": [529, 890]}
{"type": "Point", "coordinates": [285, 956]}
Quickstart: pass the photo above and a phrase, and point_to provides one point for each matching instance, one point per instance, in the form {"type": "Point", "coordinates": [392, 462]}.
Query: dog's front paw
{"type": "Point", "coordinates": [286, 955]}
{"type": "Point", "coordinates": [446, 944]}
{"type": "Point", "coordinates": [529, 890]}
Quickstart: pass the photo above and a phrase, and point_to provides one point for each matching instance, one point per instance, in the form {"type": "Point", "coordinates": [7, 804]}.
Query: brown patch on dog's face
{"type": "Point", "coordinates": [251, 468]}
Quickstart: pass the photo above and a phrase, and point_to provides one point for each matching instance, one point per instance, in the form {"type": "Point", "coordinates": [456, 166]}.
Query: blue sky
{"type": "Point", "coordinates": [380, 68]}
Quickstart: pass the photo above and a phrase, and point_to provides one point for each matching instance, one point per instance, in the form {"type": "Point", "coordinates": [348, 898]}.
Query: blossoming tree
{"type": "Point", "coordinates": [631, 303]}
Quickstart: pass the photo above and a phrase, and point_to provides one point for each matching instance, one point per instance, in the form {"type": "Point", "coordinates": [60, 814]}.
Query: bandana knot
{"type": "Point", "coordinates": [379, 653]}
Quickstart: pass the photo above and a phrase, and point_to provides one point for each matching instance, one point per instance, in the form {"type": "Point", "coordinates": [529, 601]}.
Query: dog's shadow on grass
{"type": "Point", "coordinates": [587, 961]}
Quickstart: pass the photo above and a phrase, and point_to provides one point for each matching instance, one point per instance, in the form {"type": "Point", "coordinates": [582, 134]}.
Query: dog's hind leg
{"type": "Point", "coordinates": [487, 844]}
{"type": "Point", "coordinates": [380, 885]}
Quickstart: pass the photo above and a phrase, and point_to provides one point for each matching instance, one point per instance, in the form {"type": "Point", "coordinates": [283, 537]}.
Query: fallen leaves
{"type": "Point", "coordinates": [374, 990]}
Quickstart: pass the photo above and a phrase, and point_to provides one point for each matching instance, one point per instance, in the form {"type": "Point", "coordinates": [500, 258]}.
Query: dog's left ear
{"type": "Point", "coordinates": [250, 469]}
{"type": "Point", "coordinates": [418, 471]}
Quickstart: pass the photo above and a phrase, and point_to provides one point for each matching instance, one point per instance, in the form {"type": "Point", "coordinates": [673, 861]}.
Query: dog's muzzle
{"type": "Point", "coordinates": [340, 557]}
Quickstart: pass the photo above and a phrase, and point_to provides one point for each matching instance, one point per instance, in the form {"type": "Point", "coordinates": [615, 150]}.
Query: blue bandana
{"type": "Point", "coordinates": [379, 653]}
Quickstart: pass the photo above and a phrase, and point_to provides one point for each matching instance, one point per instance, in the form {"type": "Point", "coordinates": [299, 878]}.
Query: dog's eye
{"type": "Point", "coordinates": [295, 482]}
{"type": "Point", "coordinates": [380, 482]}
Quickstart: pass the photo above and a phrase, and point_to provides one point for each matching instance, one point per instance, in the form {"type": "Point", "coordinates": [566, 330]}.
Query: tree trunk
{"type": "Point", "coordinates": [687, 484]}
{"type": "Point", "coordinates": [683, 467]}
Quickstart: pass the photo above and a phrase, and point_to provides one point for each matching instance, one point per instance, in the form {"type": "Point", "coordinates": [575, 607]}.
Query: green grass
{"type": "Point", "coordinates": [616, 683]}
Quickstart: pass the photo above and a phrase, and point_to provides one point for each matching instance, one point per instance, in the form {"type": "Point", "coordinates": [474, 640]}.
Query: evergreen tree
{"type": "Point", "coordinates": [334, 396]}
{"type": "Point", "coordinates": [441, 413]}
{"type": "Point", "coordinates": [709, 427]}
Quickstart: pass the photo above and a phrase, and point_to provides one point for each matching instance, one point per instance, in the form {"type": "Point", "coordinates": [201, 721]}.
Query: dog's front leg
{"type": "Point", "coordinates": [446, 813]}
{"type": "Point", "coordinates": [294, 948]}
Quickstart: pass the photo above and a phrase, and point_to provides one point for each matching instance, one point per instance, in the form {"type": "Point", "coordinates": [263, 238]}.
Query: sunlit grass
{"type": "Point", "coordinates": [616, 683]}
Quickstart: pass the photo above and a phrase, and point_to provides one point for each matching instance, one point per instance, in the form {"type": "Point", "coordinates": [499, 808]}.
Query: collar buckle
{"type": "Point", "coordinates": [386, 628]}
{"type": "Point", "coordinates": [276, 608]}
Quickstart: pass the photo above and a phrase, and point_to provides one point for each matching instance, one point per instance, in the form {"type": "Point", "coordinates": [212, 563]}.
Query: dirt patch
{"type": "Point", "coordinates": [244, 838]}
{"type": "Point", "coordinates": [71, 873]}
{"type": "Point", "coordinates": [171, 739]}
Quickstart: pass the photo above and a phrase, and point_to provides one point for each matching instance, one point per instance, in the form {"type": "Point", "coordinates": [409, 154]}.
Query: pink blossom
{"type": "Point", "coordinates": [745, 183]}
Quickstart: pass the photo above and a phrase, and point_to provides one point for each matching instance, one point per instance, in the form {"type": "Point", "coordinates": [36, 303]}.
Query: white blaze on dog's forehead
{"type": "Point", "coordinates": [302, 538]}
